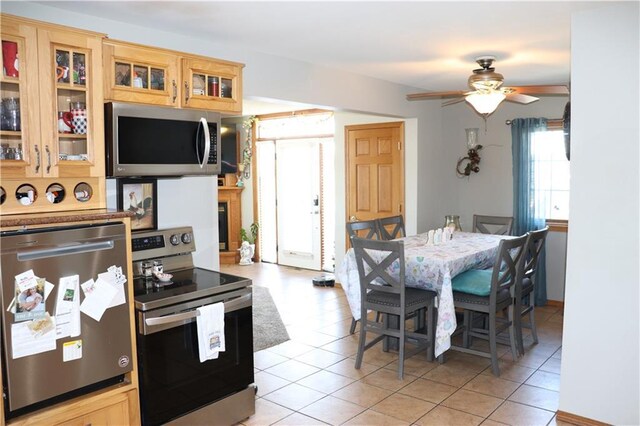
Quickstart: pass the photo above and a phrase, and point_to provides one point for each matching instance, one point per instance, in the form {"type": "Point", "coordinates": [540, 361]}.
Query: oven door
{"type": "Point", "coordinates": [173, 381]}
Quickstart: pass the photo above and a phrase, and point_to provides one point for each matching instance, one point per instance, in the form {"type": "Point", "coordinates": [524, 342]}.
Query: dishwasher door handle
{"type": "Point", "coordinates": [230, 306]}
{"type": "Point", "coordinates": [63, 250]}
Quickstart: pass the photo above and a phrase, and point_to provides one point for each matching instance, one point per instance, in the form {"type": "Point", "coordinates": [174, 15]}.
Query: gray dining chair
{"type": "Point", "coordinates": [362, 229]}
{"type": "Point", "coordinates": [490, 292]}
{"type": "Point", "coordinates": [524, 299]}
{"type": "Point", "coordinates": [497, 225]}
{"type": "Point", "coordinates": [396, 223]}
{"type": "Point", "coordinates": [385, 293]}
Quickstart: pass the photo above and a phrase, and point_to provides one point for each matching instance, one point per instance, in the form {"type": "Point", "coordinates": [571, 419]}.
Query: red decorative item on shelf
{"type": "Point", "coordinates": [10, 58]}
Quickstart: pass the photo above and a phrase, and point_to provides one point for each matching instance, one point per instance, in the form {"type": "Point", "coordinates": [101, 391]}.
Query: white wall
{"type": "Point", "coordinates": [600, 352]}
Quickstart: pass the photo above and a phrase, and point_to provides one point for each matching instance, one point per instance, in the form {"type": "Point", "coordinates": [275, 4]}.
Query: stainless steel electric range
{"type": "Point", "coordinates": [174, 385]}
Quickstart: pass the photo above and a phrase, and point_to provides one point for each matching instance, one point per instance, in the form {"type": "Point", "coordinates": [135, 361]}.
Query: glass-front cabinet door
{"type": "Point", "coordinates": [19, 118]}
{"type": "Point", "coordinates": [209, 84]}
{"type": "Point", "coordinates": [72, 122]}
{"type": "Point", "coordinates": [135, 73]}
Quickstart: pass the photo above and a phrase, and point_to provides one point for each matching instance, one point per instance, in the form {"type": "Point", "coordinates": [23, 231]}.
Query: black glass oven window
{"type": "Point", "coordinates": [174, 382]}
{"type": "Point", "coordinates": [155, 141]}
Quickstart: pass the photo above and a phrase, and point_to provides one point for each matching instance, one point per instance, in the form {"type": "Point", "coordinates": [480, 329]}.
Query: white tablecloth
{"type": "Point", "coordinates": [430, 267]}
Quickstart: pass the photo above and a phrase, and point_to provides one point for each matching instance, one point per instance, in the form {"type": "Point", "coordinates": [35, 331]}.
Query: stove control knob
{"type": "Point", "coordinates": [174, 239]}
{"type": "Point", "coordinates": [186, 238]}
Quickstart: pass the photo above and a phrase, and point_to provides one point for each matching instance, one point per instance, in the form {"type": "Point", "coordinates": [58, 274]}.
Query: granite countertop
{"type": "Point", "coordinates": [18, 220]}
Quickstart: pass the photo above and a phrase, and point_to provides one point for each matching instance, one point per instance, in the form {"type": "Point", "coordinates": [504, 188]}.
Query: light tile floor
{"type": "Point", "coordinates": [311, 379]}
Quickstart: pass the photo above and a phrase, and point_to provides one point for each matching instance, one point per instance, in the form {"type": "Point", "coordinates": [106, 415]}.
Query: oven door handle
{"type": "Point", "coordinates": [230, 306]}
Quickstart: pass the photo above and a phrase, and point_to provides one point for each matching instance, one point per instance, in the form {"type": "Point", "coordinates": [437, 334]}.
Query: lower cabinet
{"type": "Point", "coordinates": [114, 411]}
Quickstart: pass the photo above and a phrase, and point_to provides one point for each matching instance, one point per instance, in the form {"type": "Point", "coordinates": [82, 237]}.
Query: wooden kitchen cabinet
{"type": "Point", "coordinates": [114, 412]}
{"type": "Point", "coordinates": [155, 76]}
{"type": "Point", "coordinates": [51, 75]}
{"type": "Point", "coordinates": [58, 67]}
{"type": "Point", "coordinates": [20, 121]}
{"type": "Point", "coordinates": [140, 74]}
{"type": "Point", "coordinates": [210, 84]}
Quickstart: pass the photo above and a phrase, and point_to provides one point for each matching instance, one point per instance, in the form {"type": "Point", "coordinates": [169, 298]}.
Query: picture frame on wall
{"type": "Point", "coordinates": [141, 197]}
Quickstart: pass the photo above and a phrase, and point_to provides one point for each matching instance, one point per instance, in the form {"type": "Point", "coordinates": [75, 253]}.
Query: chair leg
{"type": "Point", "coordinates": [532, 322]}
{"type": "Point", "coordinates": [352, 329]}
{"type": "Point", "coordinates": [401, 349]}
{"type": "Point", "coordinates": [466, 321]}
{"type": "Point", "coordinates": [361, 341]}
{"type": "Point", "coordinates": [431, 335]}
{"type": "Point", "coordinates": [512, 334]}
{"type": "Point", "coordinates": [517, 323]}
{"type": "Point", "coordinates": [493, 344]}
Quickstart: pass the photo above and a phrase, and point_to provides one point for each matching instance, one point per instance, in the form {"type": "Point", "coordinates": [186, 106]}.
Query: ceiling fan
{"type": "Point", "coordinates": [487, 92]}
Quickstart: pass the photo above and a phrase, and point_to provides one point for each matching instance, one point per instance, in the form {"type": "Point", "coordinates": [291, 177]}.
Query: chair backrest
{"type": "Point", "coordinates": [396, 223]}
{"type": "Point", "coordinates": [364, 229]}
{"type": "Point", "coordinates": [508, 265]}
{"type": "Point", "coordinates": [535, 243]}
{"type": "Point", "coordinates": [375, 260]}
{"type": "Point", "coordinates": [497, 225]}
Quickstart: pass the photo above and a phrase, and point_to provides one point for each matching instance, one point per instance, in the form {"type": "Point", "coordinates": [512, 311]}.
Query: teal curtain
{"type": "Point", "coordinates": [525, 217]}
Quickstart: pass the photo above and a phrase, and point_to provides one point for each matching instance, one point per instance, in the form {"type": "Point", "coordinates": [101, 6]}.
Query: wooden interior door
{"type": "Point", "coordinates": [374, 170]}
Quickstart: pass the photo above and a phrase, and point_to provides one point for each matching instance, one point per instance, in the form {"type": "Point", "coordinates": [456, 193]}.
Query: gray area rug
{"type": "Point", "coordinates": [268, 328]}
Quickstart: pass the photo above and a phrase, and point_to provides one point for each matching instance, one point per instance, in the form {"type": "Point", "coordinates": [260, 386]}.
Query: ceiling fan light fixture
{"type": "Point", "coordinates": [485, 103]}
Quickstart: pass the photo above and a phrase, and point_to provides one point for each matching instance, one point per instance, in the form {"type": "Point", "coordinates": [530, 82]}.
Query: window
{"type": "Point", "coordinates": [551, 170]}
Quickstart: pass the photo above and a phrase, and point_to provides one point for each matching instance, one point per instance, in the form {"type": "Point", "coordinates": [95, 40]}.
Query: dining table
{"type": "Point", "coordinates": [431, 267]}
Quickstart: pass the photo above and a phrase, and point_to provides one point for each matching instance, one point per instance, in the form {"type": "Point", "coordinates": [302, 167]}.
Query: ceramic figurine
{"type": "Point", "coordinates": [245, 253]}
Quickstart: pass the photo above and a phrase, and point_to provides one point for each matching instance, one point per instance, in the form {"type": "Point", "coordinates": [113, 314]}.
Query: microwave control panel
{"type": "Point", "coordinates": [213, 152]}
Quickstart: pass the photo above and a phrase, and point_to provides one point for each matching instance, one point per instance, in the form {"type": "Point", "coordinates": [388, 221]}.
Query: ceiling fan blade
{"type": "Point", "coordinates": [520, 98]}
{"type": "Point", "coordinates": [452, 101]}
{"type": "Point", "coordinates": [435, 95]}
{"type": "Point", "coordinates": [541, 90]}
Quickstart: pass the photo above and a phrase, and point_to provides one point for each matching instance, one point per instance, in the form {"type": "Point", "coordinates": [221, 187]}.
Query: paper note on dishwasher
{"type": "Point", "coordinates": [99, 299]}
{"type": "Point", "coordinates": [68, 307]}
{"type": "Point", "coordinates": [114, 281]}
{"type": "Point", "coordinates": [25, 342]}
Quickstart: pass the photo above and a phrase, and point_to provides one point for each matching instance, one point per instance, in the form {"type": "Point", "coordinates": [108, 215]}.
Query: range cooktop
{"type": "Point", "coordinates": [185, 285]}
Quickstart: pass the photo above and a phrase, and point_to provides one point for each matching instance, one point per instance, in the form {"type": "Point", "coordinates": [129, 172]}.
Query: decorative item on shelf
{"type": "Point", "coordinates": [248, 246]}
{"type": "Point", "coordinates": [452, 222]}
{"type": "Point", "coordinates": [473, 157]}
{"type": "Point", "coordinates": [244, 163]}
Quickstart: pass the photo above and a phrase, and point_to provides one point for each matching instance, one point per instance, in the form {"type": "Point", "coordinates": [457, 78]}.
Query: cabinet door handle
{"type": "Point", "coordinates": [37, 158]}
{"type": "Point", "coordinates": [186, 92]}
{"type": "Point", "coordinates": [46, 148]}
{"type": "Point", "coordinates": [175, 91]}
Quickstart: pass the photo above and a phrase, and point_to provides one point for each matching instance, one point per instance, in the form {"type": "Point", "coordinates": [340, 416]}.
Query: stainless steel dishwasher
{"type": "Point", "coordinates": [35, 381]}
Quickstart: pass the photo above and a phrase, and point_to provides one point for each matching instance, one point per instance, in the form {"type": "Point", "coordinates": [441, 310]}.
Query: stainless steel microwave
{"type": "Point", "coordinates": [145, 140]}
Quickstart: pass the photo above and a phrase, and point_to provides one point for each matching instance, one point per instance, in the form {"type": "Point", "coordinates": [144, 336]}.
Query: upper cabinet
{"type": "Point", "coordinates": [134, 73]}
{"type": "Point", "coordinates": [210, 84]}
{"type": "Point", "coordinates": [142, 74]}
{"type": "Point", "coordinates": [52, 123]}
{"type": "Point", "coordinates": [19, 113]}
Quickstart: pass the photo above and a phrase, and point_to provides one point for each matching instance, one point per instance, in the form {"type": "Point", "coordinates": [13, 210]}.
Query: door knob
{"type": "Point", "coordinates": [353, 218]}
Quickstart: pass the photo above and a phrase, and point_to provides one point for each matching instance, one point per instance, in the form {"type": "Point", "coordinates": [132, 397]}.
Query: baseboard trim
{"type": "Point", "coordinates": [556, 303]}
{"type": "Point", "coordinates": [574, 419]}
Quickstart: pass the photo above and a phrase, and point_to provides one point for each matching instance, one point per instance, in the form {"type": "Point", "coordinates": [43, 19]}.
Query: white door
{"type": "Point", "coordinates": [298, 203]}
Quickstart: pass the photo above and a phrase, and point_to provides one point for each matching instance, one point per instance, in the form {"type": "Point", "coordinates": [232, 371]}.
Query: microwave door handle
{"type": "Point", "coordinates": [207, 142]}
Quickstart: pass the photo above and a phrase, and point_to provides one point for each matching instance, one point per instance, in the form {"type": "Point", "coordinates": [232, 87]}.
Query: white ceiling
{"type": "Point", "coordinates": [426, 44]}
